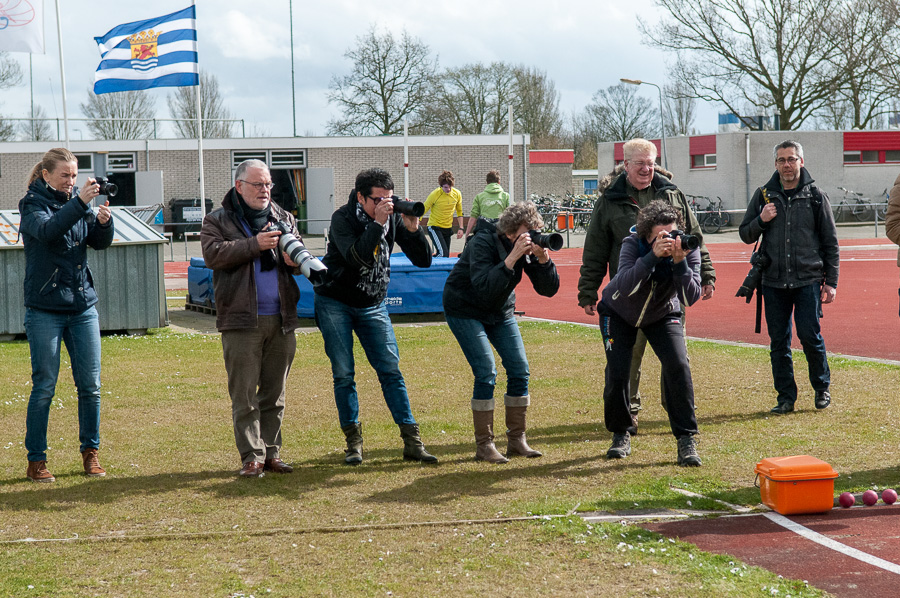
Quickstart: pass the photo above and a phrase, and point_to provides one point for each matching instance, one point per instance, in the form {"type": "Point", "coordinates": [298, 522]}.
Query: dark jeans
{"type": "Point", "coordinates": [666, 337]}
{"type": "Point", "coordinates": [804, 304]}
{"type": "Point", "coordinates": [441, 239]}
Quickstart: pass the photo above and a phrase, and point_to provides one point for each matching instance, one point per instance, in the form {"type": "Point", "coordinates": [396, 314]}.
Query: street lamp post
{"type": "Point", "coordinates": [662, 116]}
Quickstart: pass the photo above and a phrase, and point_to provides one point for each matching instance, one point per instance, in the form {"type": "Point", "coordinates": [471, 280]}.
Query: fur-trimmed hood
{"type": "Point", "coordinates": [607, 180]}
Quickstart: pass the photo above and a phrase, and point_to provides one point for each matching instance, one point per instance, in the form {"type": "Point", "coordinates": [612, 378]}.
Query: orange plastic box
{"type": "Point", "coordinates": [795, 485]}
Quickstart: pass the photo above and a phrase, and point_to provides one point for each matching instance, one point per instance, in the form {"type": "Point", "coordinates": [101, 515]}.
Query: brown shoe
{"type": "Point", "coordinates": [37, 472]}
{"type": "Point", "coordinates": [91, 464]}
{"type": "Point", "coordinates": [252, 469]}
{"type": "Point", "coordinates": [277, 465]}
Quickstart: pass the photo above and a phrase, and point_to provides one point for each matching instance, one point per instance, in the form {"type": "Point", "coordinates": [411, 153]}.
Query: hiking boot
{"type": "Point", "coordinates": [621, 446]}
{"type": "Point", "coordinates": [353, 452]}
{"type": "Point", "coordinates": [823, 399]}
{"type": "Point", "coordinates": [783, 408]}
{"type": "Point", "coordinates": [413, 449]}
{"type": "Point", "coordinates": [37, 472]}
{"type": "Point", "coordinates": [687, 452]}
{"type": "Point", "coordinates": [91, 464]}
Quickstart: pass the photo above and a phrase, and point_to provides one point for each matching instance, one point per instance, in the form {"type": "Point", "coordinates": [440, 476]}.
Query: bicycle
{"type": "Point", "coordinates": [881, 207]}
{"type": "Point", "coordinates": [856, 203]}
{"type": "Point", "coordinates": [715, 218]}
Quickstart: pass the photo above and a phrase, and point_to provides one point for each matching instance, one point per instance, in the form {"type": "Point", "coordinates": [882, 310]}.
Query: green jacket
{"type": "Point", "coordinates": [490, 202]}
{"type": "Point", "coordinates": [615, 213]}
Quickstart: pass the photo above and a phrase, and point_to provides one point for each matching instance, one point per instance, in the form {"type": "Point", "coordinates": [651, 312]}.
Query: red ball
{"type": "Point", "coordinates": [889, 496]}
{"type": "Point", "coordinates": [847, 500]}
{"type": "Point", "coordinates": [869, 498]}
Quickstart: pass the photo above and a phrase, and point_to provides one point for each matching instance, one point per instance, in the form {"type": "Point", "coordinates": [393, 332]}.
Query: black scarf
{"type": "Point", "coordinates": [257, 220]}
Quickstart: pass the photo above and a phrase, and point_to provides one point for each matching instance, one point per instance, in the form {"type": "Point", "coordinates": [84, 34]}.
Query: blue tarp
{"type": "Point", "coordinates": [412, 290]}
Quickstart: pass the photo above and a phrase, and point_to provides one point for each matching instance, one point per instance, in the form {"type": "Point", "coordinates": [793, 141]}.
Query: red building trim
{"type": "Point", "coordinates": [871, 140]}
{"type": "Point", "coordinates": [564, 156]}
{"type": "Point", "coordinates": [703, 144]}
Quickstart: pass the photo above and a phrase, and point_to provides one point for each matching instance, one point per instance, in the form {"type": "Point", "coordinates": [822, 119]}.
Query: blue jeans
{"type": "Point", "coordinates": [338, 321]}
{"type": "Point", "coordinates": [804, 303]}
{"type": "Point", "coordinates": [46, 331]}
{"type": "Point", "coordinates": [475, 338]}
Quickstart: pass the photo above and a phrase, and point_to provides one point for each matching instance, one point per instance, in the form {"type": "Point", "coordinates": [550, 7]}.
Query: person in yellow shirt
{"type": "Point", "coordinates": [440, 206]}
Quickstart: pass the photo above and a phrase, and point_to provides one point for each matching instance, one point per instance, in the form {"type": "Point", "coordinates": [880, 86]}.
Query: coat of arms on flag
{"type": "Point", "coordinates": [144, 51]}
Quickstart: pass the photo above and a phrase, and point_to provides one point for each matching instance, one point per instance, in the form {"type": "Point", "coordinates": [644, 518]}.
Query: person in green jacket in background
{"type": "Point", "coordinates": [489, 203]}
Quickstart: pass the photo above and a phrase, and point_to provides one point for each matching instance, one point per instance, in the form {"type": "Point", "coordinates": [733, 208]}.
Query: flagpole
{"type": "Point", "coordinates": [62, 73]}
{"type": "Point", "coordinates": [199, 136]}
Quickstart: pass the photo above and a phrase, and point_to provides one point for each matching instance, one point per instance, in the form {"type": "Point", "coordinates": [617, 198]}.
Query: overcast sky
{"type": "Point", "coordinates": [583, 46]}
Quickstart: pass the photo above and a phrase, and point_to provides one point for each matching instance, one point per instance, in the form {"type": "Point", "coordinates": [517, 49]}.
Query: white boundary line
{"type": "Point", "coordinates": [832, 544]}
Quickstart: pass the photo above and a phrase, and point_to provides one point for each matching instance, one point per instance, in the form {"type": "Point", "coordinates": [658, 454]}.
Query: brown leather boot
{"type": "Point", "coordinates": [484, 438]}
{"type": "Point", "coordinates": [515, 427]}
{"type": "Point", "coordinates": [91, 464]}
{"type": "Point", "coordinates": [37, 472]}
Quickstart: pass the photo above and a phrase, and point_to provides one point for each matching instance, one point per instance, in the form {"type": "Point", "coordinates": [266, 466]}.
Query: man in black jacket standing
{"type": "Point", "coordinates": [799, 236]}
{"type": "Point", "coordinates": [360, 240]}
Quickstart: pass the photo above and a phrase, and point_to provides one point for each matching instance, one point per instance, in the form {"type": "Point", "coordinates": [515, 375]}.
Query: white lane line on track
{"type": "Point", "coordinates": [832, 544]}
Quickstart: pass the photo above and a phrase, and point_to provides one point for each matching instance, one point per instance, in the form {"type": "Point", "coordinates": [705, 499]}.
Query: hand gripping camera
{"type": "Point", "coordinates": [310, 266]}
{"type": "Point", "coordinates": [553, 241]}
{"type": "Point", "coordinates": [106, 188]}
{"type": "Point", "coordinates": [409, 208]}
{"type": "Point", "coordinates": [760, 261]}
{"type": "Point", "coordinates": [688, 242]}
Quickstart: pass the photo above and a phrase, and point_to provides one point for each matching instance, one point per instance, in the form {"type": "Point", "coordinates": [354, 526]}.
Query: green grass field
{"type": "Point", "coordinates": [172, 518]}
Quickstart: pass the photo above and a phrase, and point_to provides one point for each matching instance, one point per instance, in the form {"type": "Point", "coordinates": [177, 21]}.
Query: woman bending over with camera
{"type": "Point", "coordinates": [479, 301]}
{"type": "Point", "coordinates": [657, 275]}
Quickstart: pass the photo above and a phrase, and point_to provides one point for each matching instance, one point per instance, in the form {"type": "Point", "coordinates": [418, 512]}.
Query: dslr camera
{"type": "Point", "coordinates": [107, 188]}
{"type": "Point", "coordinates": [409, 208]}
{"type": "Point", "coordinates": [310, 266]}
{"type": "Point", "coordinates": [760, 261]}
{"type": "Point", "coordinates": [688, 242]}
{"type": "Point", "coordinates": [553, 241]}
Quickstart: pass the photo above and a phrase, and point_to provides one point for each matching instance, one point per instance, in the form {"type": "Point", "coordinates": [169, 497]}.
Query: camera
{"type": "Point", "coordinates": [688, 242]}
{"type": "Point", "coordinates": [409, 208]}
{"type": "Point", "coordinates": [760, 261]}
{"type": "Point", "coordinates": [553, 241]}
{"type": "Point", "coordinates": [310, 266]}
{"type": "Point", "coordinates": [107, 188]}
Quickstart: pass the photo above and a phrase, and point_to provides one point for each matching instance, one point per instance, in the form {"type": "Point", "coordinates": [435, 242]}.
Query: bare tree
{"type": "Point", "coordinates": [7, 129]}
{"type": "Point", "coordinates": [681, 110]}
{"type": "Point", "coordinates": [391, 81]}
{"type": "Point", "coordinates": [469, 100]}
{"type": "Point", "coordinates": [35, 129]}
{"type": "Point", "coordinates": [733, 50]}
{"type": "Point", "coordinates": [618, 113]}
{"type": "Point", "coordinates": [10, 71]}
{"type": "Point", "coordinates": [536, 108]}
{"type": "Point", "coordinates": [120, 114]}
{"type": "Point", "coordinates": [183, 106]}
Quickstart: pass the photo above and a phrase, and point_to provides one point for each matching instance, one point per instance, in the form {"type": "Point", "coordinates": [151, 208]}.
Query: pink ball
{"type": "Point", "coordinates": [869, 498]}
{"type": "Point", "coordinates": [889, 496]}
{"type": "Point", "coordinates": [846, 500]}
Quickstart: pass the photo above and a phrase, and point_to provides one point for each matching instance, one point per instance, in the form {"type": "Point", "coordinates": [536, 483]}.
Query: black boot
{"type": "Point", "coordinates": [413, 449]}
{"type": "Point", "coordinates": [353, 432]}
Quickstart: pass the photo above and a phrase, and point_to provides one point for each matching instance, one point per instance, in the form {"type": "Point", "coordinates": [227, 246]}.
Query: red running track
{"type": "Point", "coordinates": [862, 321]}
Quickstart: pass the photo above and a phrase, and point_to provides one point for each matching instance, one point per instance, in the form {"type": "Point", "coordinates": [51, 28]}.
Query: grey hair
{"type": "Point", "coordinates": [789, 143]}
{"type": "Point", "coordinates": [246, 165]}
{"type": "Point", "coordinates": [638, 145]}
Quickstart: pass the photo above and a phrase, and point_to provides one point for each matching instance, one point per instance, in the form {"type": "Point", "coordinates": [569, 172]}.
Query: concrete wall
{"type": "Point", "coordinates": [556, 179]}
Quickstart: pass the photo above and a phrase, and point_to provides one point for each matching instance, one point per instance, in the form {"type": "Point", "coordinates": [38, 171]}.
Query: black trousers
{"type": "Point", "coordinates": [666, 336]}
{"type": "Point", "coordinates": [441, 239]}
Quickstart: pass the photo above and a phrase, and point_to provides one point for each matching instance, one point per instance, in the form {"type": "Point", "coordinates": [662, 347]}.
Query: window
{"type": "Point", "coordinates": [703, 151]}
{"type": "Point", "coordinates": [294, 158]}
{"type": "Point", "coordinates": [871, 147]}
{"type": "Point", "coordinates": [85, 162]}
{"type": "Point", "coordinates": [121, 162]}
{"type": "Point", "coordinates": [590, 186]}
{"type": "Point", "coordinates": [703, 161]}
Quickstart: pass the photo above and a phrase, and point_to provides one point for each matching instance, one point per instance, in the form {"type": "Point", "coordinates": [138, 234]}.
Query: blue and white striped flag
{"type": "Point", "coordinates": [159, 52]}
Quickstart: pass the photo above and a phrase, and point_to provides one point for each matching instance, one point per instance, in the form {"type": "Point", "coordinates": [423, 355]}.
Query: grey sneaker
{"type": "Point", "coordinates": [823, 399]}
{"type": "Point", "coordinates": [687, 452]}
{"type": "Point", "coordinates": [621, 446]}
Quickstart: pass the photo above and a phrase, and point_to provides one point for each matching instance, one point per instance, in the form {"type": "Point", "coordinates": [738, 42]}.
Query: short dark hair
{"type": "Point", "coordinates": [446, 178]}
{"type": "Point", "coordinates": [493, 176]}
{"type": "Point", "coordinates": [373, 177]}
{"type": "Point", "coordinates": [788, 144]}
{"type": "Point", "coordinates": [518, 214]}
{"type": "Point", "coordinates": [657, 212]}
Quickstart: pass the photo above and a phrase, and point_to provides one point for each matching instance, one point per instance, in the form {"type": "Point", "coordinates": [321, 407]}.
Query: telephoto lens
{"type": "Point", "coordinates": [310, 266]}
{"type": "Point", "coordinates": [107, 188]}
{"type": "Point", "coordinates": [553, 241]}
{"type": "Point", "coordinates": [409, 208]}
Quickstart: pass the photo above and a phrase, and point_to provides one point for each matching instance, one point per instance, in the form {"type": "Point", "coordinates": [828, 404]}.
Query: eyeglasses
{"type": "Point", "coordinates": [640, 164]}
{"type": "Point", "coordinates": [379, 199]}
{"type": "Point", "coordinates": [259, 186]}
{"type": "Point", "coordinates": [792, 160]}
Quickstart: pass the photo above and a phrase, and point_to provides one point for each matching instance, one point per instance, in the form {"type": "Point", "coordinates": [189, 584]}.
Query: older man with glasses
{"type": "Point", "coordinates": [624, 192]}
{"type": "Point", "coordinates": [794, 219]}
{"type": "Point", "coordinates": [256, 312]}
{"type": "Point", "coordinates": [360, 240]}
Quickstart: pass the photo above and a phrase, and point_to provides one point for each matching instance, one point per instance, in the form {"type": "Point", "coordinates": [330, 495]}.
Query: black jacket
{"type": "Point", "coordinates": [801, 239]}
{"type": "Point", "coordinates": [56, 232]}
{"type": "Point", "coordinates": [357, 272]}
{"type": "Point", "coordinates": [481, 287]}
